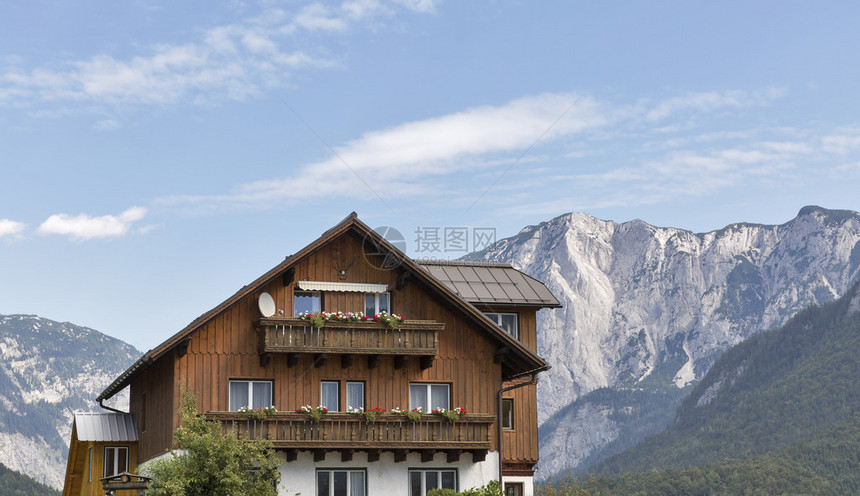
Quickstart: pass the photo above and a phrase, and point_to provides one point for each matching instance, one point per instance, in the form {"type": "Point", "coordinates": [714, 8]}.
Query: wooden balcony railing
{"type": "Point", "coordinates": [292, 335]}
{"type": "Point", "coordinates": [343, 431]}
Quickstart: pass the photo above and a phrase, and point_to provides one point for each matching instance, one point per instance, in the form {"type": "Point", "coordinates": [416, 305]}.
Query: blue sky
{"type": "Point", "coordinates": [159, 155]}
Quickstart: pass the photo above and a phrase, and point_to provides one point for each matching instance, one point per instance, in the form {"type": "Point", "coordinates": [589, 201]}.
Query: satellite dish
{"type": "Point", "coordinates": [266, 304]}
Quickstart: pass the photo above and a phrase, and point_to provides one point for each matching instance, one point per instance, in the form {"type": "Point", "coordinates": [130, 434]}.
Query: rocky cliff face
{"type": "Point", "coordinates": [650, 305]}
{"type": "Point", "coordinates": [48, 370]}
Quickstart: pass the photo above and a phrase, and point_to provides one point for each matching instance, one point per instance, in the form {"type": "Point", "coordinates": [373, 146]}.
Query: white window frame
{"type": "Point", "coordinates": [331, 472]}
{"type": "Point", "coordinates": [497, 318]}
{"type": "Point", "coordinates": [424, 471]}
{"type": "Point", "coordinates": [250, 398]}
{"type": "Point", "coordinates": [354, 384]}
{"type": "Point", "coordinates": [337, 387]}
{"type": "Point", "coordinates": [309, 294]}
{"type": "Point", "coordinates": [116, 451]}
{"type": "Point", "coordinates": [429, 396]}
{"type": "Point", "coordinates": [375, 303]}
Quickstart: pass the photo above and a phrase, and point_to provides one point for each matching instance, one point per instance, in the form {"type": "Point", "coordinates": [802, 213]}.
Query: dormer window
{"type": "Point", "coordinates": [509, 322]}
{"type": "Point", "coordinates": [375, 303]}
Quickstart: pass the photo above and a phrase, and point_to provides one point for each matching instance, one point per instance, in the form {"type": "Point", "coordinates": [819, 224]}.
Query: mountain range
{"type": "Point", "coordinates": [49, 370]}
{"type": "Point", "coordinates": [647, 310]}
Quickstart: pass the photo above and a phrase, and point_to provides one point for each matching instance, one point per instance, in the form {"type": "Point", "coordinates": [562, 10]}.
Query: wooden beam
{"type": "Point", "coordinates": [346, 361]}
{"type": "Point", "coordinates": [319, 455]}
{"type": "Point", "coordinates": [427, 455]}
{"type": "Point", "coordinates": [265, 358]}
{"type": "Point", "coordinates": [400, 361]}
{"type": "Point", "coordinates": [400, 455]}
{"type": "Point", "coordinates": [373, 455]}
{"type": "Point", "coordinates": [346, 455]}
{"type": "Point", "coordinates": [289, 275]}
{"type": "Point", "coordinates": [427, 361]}
{"type": "Point", "coordinates": [500, 354]}
{"type": "Point", "coordinates": [373, 361]}
{"type": "Point", "coordinates": [454, 455]}
{"type": "Point", "coordinates": [403, 279]}
{"type": "Point", "coordinates": [292, 359]}
{"type": "Point", "coordinates": [182, 349]}
{"type": "Point", "coordinates": [292, 454]}
{"type": "Point", "coordinates": [320, 360]}
{"type": "Point", "coordinates": [479, 455]}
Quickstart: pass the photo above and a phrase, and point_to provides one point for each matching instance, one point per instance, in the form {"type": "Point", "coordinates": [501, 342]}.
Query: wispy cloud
{"type": "Point", "coordinates": [11, 228]}
{"type": "Point", "coordinates": [83, 227]}
{"type": "Point", "coordinates": [712, 100]}
{"type": "Point", "coordinates": [400, 158]}
{"type": "Point", "coordinates": [234, 61]}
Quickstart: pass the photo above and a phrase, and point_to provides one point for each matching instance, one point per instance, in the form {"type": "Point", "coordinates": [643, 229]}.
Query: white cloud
{"type": "Point", "coordinates": [11, 228]}
{"type": "Point", "coordinates": [234, 61]}
{"type": "Point", "coordinates": [83, 227]}
{"type": "Point", "coordinates": [397, 160]}
{"type": "Point", "coordinates": [712, 100]}
{"type": "Point", "coordinates": [107, 125]}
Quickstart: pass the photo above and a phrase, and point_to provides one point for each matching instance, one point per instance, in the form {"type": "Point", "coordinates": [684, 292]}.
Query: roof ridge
{"type": "Point", "coordinates": [464, 263]}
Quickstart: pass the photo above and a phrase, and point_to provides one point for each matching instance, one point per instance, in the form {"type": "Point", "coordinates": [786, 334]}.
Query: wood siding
{"type": "Point", "coordinates": [225, 348]}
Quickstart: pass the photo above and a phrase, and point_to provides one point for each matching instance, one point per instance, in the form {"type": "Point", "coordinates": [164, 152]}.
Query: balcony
{"type": "Point", "coordinates": [345, 433]}
{"type": "Point", "coordinates": [292, 336]}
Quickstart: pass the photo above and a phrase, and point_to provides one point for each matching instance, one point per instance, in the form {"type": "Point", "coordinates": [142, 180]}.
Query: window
{"type": "Point", "coordinates": [253, 394]}
{"type": "Point", "coordinates": [375, 303]}
{"type": "Point", "coordinates": [507, 321]}
{"type": "Point", "coordinates": [307, 302]}
{"type": "Point", "coordinates": [116, 460]}
{"type": "Point", "coordinates": [330, 395]}
{"type": "Point", "coordinates": [429, 396]}
{"type": "Point", "coordinates": [421, 481]}
{"type": "Point", "coordinates": [514, 489]}
{"type": "Point", "coordinates": [341, 483]}
{"type": "Point", "coordinates": [355, 395]}
{"type": "Point", "coordinates": [507, 413]}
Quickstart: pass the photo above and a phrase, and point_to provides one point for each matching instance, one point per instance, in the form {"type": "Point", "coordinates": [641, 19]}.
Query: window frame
{"type": "Point", "coordinates": [497, 318]}
{"type": "Point", "coordinates": [337, 387]}
{"type": "Point", "coordinates": [305, 293]}
{"type": "Point", "coordinates": [250, 398]}
{"type": "Point", "coordinates": [376, 303]}
{"type": "Point", "coordinates": [331, 472]}
{"type": "Point", "coordinates": [517, 488]}
{"type": "Point", "coordinates": [363, 394]}
{"type": "Point", "coordinates": [429, 395]}
{"type": "Point", "coordinates": [511, 426]}
{"type": "Point", "coordinates": [423, 471]}
{"type": "Point", "coordinates": [115, 461]}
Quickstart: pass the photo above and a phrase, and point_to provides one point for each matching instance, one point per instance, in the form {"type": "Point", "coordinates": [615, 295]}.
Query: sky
{"type": "Point", "coordinates": [157, 156]}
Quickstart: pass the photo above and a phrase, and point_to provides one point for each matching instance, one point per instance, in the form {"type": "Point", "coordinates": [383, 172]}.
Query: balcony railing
{"type": "Point", "coordinates": [339, 431]}
{"type": "Point", "coordinates": [292, 335]}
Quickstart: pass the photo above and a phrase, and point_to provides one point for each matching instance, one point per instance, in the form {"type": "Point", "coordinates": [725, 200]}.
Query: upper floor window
{"type": "Point", "coordinates": [354, 395]}
{"type": "Point", "coordinates": [375, 303]}
{"type": "Point", "coordinates": [307, 302]}
{"type": "Point", "coordinates": [330, 395]}
{"type": "Point", "coordinates": [507, 413]}
{"type": "Point", "coordinates": [253, 394]}
{"type": "Point", "coordinates": [507, 321]}
{"type": "Point", "coordinates": [116, 460]}
{"type": "Point", "coordinates": [429, 396]}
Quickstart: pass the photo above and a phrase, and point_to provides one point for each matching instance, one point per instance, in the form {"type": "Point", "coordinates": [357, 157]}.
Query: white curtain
{"type": "Point", "coordinates": [238, 395]}
{"type": "Point", "coordinates": [329, 396]}
{"type": "Point", "coordinates": [355, 395]}
{"type": "Point", "coordinates": [262, 396]}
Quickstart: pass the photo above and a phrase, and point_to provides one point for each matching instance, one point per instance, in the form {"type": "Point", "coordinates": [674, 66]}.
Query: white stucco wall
{"type": "Point", "coordinates": [527, 482]}
{"type": "Point", "coordinates": [384, 477]}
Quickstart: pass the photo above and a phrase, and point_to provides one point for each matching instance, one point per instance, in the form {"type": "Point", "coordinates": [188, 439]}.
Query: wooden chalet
{"type": "Point", "coordinates": [102, 445]}
{"type": "Point", "coordinates": [468, 341]}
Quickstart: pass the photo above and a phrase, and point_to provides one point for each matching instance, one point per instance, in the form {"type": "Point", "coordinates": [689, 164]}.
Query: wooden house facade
{"type": "Point", "coordinates": [102, 445]}
{"type": "Point", "coordinates": [467, 341]}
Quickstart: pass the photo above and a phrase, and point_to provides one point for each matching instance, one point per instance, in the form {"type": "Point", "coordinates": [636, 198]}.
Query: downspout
{"type": "Point", "coordinates": [533, 380]}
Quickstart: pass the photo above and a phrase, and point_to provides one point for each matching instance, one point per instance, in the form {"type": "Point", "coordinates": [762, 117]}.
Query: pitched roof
{"type": "Point", "coordinates": [487, 283]}
{"type": "Point", "coordinates": [111, 427]}
{"type": "Point", "coordinates": [516, 364]}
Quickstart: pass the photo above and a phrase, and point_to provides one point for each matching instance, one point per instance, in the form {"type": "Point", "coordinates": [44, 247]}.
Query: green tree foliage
{"type": "Point", "coordinates": [13, 483]}
{"type": "Point", "coordinates": [210, 463]}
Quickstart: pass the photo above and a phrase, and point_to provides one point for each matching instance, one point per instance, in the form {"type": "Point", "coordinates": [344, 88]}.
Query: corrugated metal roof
{"type": "Point", "coordinates": [489, 283]}
{"type": "Point", "coordinates": [105, 426]}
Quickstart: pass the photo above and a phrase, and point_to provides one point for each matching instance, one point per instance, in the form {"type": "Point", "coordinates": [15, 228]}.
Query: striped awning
{"type": "Point", "coordinates": [351, 287]}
